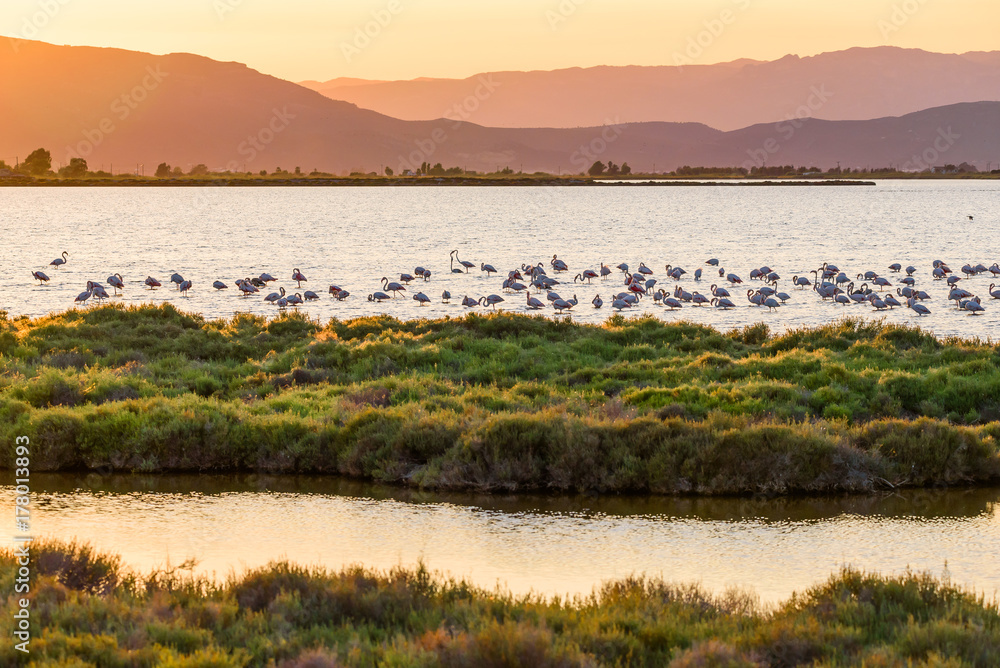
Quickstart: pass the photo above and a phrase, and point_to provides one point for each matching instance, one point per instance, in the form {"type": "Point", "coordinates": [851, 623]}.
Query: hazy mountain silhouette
{"type": "Point", "coordinates": [859, 83]}
{"type": "Point", "coordinates": [122, 107]}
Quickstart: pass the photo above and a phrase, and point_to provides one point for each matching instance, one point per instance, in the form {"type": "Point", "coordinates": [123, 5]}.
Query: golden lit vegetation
{"type": "Point", "coordinates": [88, 611]}
{"type": "Point", "coordinates": [503, 401]}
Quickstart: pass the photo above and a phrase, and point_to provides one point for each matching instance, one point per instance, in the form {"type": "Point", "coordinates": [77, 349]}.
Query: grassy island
{"type": "Point", "coordinates": [87, 610]}
{"type": "Point", "coordinates": [503, 402]}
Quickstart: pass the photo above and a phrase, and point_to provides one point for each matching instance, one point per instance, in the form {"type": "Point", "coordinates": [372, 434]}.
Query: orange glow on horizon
{"type": "Point", "coordinates": [402, 39]}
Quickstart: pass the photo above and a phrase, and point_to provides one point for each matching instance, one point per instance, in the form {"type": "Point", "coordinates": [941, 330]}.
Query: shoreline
{"type": "Point", "coordinates": [504, 403]}
{"type": "Point", "coordinates": [247, 182]}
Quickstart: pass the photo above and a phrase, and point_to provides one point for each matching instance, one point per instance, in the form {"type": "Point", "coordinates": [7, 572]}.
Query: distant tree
{"type": "Point", "coordinates": [626, 170]}
{"type": "Point", "coordinates": [4, 165]}
{"type": "Point", "coordinates": [388, 171]}
{"type": "Point", "coordinates": [162, 170]}
{"type": "Point", "coordinates": [298, 170]}
{"type": "Point", "coordinates": [613, 169]}
{"type": "Point", "coordinates": [437, 170]}
{"type": "Point", "coordinates": [199, 170]}
{"type": "Point", "coordinates": [38, 162]}
{"type": "Point", "coordinates": [263, 172]}
{"type": "Point", "coordinates": [597, 168]}
{"type": "Point", "coordinates": [76, 168]}
{"type": "Point", "coordinates": [177, 171]}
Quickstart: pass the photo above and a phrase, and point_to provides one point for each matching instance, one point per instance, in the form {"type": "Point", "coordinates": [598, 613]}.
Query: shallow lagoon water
{"type": "Point", "coordinates": [352, 237]}
{"type": "Point", "coordinates": [551, 545]}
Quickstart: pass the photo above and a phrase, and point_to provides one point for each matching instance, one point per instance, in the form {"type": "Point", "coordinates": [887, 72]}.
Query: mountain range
{"type": "Point", "coordinates": [127, 108]}
{"type": "Point", "coordinates": [857, 84]}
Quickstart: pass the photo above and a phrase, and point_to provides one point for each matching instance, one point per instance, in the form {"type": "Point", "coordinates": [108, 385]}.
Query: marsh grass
{"type": "Point", "coordinates": [294, 616]}
{"type": "Point", "coordinates": [503, 401]}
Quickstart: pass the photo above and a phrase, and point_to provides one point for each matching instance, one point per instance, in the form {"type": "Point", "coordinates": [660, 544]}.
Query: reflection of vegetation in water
{"type": "Point", "coordinates": [87, 610]}
{"type": "Point", "coordinates": [503, 402]}
{"type": "Point", "coordinates": [907, 503]}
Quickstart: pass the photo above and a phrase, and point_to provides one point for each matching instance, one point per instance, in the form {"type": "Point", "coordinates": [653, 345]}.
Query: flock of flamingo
{"type": "Point", "coordinates": [828, 281]}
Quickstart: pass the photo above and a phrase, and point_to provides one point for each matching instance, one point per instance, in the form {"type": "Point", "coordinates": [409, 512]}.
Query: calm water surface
{"type": "Point", "coordinates": [354, 236]}
{"type": "Point", "coordinates": [554, 545]}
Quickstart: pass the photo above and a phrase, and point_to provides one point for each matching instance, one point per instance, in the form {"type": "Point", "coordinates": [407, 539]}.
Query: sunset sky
{"type": "Point", "coordinates": [318, 39]}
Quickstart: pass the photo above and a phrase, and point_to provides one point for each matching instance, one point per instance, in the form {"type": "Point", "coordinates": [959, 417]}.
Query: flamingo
{"type": "Point", "coordinates": [219, 285]}
{"type": "Point", "coordinates": [606, 271]}
{"type": "Point", "coordinates": [59, 261]}
{"type": "Point", "coordinates": [643, 269]}
{"type": "Point", "coordinates": [309, 296]}
{"type": "Point", "coordinates": [488, 268]}
{"type": "Point", "coordinates": [714, 262]}
{"type": "Point", "coordinates": [697, 274]}
{"type": "Point", "coordinates": [184, 287]}
{"type": "Point", "coordinates": [469, 302]}
{"type": "Point", "coordinates": [42, 278]}
{"type": "Point", "coordinates": [392, 287]}
{"type": "Point", "coordinates": [421, 299]}
{"type": "Point", "coordinates": [446, 297]}
{"type": "Point", "coordinates": [342, 295]}
{"type": "Point", "coordinates": [995, 294]}
{"type": "Point", "coordinates": [282, 303]}
{"type": "Point", "coordinates": [534, 303]}
{"type": "Point", "coordinates": [267, 278]}
{"type": "Point", "coordinates": [588, 274]}
{"type": "Point", "coordinates": [491, 300]}
{"type": "Point", "coordinates": [619, 304]}
{"type": "Point", "coordinates": [720, 292]}
{"type": "Point", "coordinates": [672, 303]}
{"type": "Point", "coordinates": [918, 307]}
{"type": "Point", "coordinates": [98, 290]}
{"type": "Point", "coordinates": [85, 295]}
{"type": "Point", "coordinates": [895, 266]}
{"type": "Point", "coordinates": [561, 305]}
{"type": "Point", "coordinates": [465, 263]}
{"type": "Point", "coordinates": [177, 279]}
{"type": "Point", "coordinates": [734, 279]}
{"type": "Point", "coordinates": [116, 281]}
{"type": "Point", "coordinates": [378, 297]}
{"type": "Point", "coordinates": [406, 278]}
{"type": "Point", "coordinates": [152, 283]}
{"type": "Point", "coordinates": [771, 303]}
{"type": "Point", "coordinates": [558, 264]}
{"type": "Point", "coordinates": [597, 301]}
{"type": "Point", "coordinates": [298, 277]}
{"type": "Point", "coordinates": [723, 303]}
{"type": "Point", "coordinates": [801, 282]}
{"type": "Point", "coordinates": [275, 296]}
{"type": "Point", "coordinates": [295, 299]}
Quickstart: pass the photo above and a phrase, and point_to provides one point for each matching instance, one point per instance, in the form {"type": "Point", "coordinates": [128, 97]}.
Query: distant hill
{"type": "Point", "coordinates": [127, 108]}
{"type": "Point", "coordinates": [859, 83]}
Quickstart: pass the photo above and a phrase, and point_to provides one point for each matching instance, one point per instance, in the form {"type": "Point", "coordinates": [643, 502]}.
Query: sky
{"type": "Point", "coordinates": [404, 39]}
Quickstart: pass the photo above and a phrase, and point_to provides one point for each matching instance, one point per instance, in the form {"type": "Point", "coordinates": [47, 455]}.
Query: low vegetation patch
{"type": "Point", "coordinates": [297, 617]}
{"type": "Point", "coordinates": [503, 402]}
